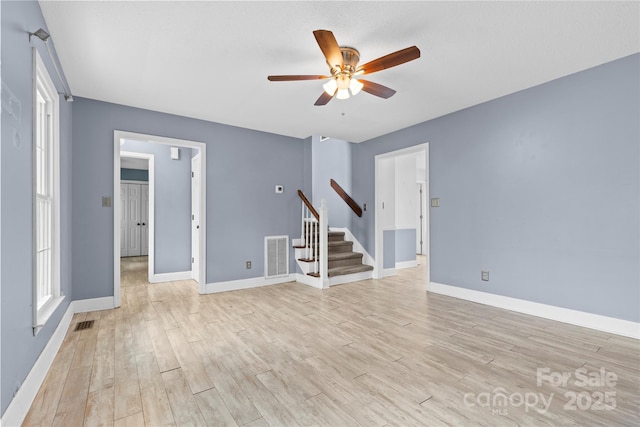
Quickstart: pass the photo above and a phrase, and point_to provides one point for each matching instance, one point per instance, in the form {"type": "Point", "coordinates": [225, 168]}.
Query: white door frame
{"type": "Point", "coordinates": [195, 234]}
{"type": "Point", "coordinates": [421, 149]}
{"type": "Point", "coordinates": [122, 135]}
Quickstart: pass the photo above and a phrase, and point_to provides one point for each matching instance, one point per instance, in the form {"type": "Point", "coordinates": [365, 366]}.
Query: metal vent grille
{"type": "Point", "coordinates": [276, 256]}
{"type": "Point", "coordinates": [87, 324]}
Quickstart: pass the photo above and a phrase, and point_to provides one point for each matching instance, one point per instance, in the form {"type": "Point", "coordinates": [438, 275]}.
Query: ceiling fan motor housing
{"type": "Point", "coordinates": [350, 58]}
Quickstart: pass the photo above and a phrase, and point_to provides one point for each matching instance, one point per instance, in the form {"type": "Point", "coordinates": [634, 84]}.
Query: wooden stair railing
{"type": "Point", "coordinates": [308, 204]}
{"type": "Point", "coordinates": [348, 200]}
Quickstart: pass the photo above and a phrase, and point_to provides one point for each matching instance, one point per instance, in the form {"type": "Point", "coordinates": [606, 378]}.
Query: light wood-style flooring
{"type": "Point", "coordinates": [371, 353]}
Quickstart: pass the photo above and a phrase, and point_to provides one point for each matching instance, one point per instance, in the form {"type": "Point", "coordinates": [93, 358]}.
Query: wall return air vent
{"type": "Point", "coordinates": [276, 256]}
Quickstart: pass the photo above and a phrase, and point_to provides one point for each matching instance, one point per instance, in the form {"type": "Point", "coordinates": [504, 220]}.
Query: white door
{"type": "Point", "coordinates": [195, 217]}
{"type": "Point", "coordinates": [144, 219]}
{"type": "Point", "coordinates": [133, 220]}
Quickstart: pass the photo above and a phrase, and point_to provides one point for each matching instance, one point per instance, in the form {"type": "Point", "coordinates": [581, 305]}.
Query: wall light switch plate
{"type": "Point", "coordinates": [435, 202]}
{"type": "Point", "coordinates": [279, 189]}
{"type": "Point", "coordinates": [106, 201]}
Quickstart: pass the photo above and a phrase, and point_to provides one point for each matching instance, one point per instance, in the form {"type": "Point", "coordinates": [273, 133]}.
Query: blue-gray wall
{"type": "Point", "coordinates": [172, 228]}
{"type": "Point", "coordinates": [389, 249]}
{"type": "Point", "coordinates": [243, 168]}
{"type": "Point", "coordinates": [20, 348]}
{"type": "Point", "coordinates": [332, 160]}
{"type": "Point", "coordinates": [134, 174]}
{"type": "Point", "coordinates": [405, 244]}
{"type": "Point", "coordinates": [540, 187]}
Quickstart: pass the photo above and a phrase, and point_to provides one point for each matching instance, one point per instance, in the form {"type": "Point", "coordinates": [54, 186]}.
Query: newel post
{"type": "Point", "coordinates": [324, 243]}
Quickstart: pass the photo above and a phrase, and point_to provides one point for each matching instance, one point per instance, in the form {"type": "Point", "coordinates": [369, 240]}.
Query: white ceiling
{"type": "Point", "coordinates": [210, 60]}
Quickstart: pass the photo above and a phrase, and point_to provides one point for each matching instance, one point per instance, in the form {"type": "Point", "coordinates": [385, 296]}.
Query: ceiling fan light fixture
{"type": "Point", "coordinates": [343, 94]}
{"type": "Point", "coordinates": [355, 86]}
{"type": "Point", "coordinates": [330, 87]}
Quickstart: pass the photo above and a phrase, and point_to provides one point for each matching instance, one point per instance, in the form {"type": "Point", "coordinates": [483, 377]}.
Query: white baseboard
{"type": "Point", "coordinates": [93, 304]}
{"type": "Point", "coordinates": [254, 282]}
{"type": "Point", "coordinates": [389, 272]}
{"type": "Point", "coordinates": [19, 406]}
{"type": "Point", "coordinates": [574, 317]}
{"type": "Point", "coordinates": [406, 264]}
{"type": "Point", "coordinates": [170, 277]}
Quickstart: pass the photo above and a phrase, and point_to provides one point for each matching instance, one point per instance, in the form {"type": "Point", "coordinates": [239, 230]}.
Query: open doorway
{"type": "Point", "coordinates": [398, 230]}
{"type": "Point", "coordinates": [135, 219]}
{"type": "Point", "coordinates": [171, 255]}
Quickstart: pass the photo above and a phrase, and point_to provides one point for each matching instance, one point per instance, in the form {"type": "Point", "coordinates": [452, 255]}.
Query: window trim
{"type": "Point", "coordinates": [43, 85]}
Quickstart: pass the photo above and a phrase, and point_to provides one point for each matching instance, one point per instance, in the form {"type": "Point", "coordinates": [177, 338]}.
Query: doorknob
{"type": "Point", "coordinates": [138, 223]}
{"type": "Point", "coordinates": [144, 223]}
{"type": "Point", "coordinates": [198, 227]}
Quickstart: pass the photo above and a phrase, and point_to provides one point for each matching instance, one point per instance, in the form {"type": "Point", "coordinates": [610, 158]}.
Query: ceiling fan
{"type": "Point", "coordinates": [345, 72]}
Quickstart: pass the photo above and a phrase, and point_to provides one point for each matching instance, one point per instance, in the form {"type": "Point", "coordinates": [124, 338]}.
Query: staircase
{"type": "Point", "coordinates": [344, 265]}
{"type": "Point", "coordinates": [324, 256]}
{"type": "Point", "coordinates": [342, 259]}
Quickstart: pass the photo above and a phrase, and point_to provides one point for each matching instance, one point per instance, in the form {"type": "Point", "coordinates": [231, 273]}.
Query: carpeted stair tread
{"type": "Point", "coordinates": [344, 255]}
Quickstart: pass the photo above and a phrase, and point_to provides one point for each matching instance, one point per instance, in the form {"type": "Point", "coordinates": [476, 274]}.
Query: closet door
{"type": "Point", "coordinates": [134, 224]}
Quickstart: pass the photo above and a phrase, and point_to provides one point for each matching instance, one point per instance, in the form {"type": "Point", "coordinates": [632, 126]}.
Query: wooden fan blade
{"type": "Point", "coordinates": [329, 47]}
{"type": "Point", "coordinates": [377, 89]}
{"type": "Point", "coordinates": [296, 77]}
{"type": "Point", "coordinates": [324, 99]}
{"type": "Point", "coordinates": [390, 60]}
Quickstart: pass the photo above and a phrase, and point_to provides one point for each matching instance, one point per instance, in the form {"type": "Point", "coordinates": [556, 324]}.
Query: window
{"type": "Point", "coordinates": [46, 197]}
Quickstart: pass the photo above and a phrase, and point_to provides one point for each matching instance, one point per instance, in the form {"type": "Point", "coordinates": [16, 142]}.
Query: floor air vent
{"type": "Point", "coordinates": [276, 256]}
{"type": "Point", "coordinates": [87, 324]}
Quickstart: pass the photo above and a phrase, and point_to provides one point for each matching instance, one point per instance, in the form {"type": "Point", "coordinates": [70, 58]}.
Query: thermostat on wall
{"type": "Point", "coordinates": [279, 189]}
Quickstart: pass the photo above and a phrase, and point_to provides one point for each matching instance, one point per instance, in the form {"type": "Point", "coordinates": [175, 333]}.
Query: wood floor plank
{"type": "Point", "coordinates": [73, 401]}
{"type": "Point", "coordinates": [99, 410]}
{"type": "Point", "coordinates": [127, 393]}
{"type": "Point", "coordinates": [272, 411]}
{"type": "Point", "coordinates": [238, 403]}
{"type": "Point", "coordinates": [213, 409]}
{"type": "Point", "coordinates": [153, 396]}
{"type": "Point", "coordinates": [135, 420]}
{"type": "Point", "coordinates": [192, 366]}
{"type": "Point", "coordinates": [156, 407]}
{"type": "Point", "coordinates": [183, 403]}
{"type": "Point", "coordinates": [163, 351]}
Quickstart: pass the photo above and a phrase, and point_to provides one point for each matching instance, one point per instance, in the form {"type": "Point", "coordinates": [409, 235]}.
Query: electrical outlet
{"type": "Point", "coordinates": [248, 265]}
{"type": "Point", "coordinates": [484, 275]}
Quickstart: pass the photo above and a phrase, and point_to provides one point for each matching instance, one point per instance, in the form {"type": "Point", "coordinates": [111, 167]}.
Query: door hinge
{"type": "Point", "coordinates": [193, 260]}
{"type": "Point", "coordinates": [192, 217]}
{"type": "Point", "coordinates": [192, 175]}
